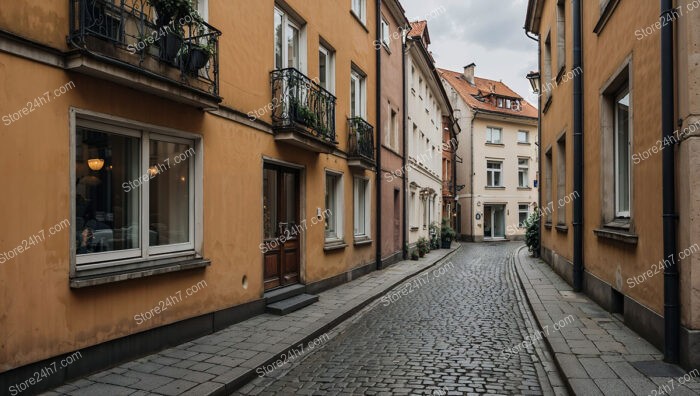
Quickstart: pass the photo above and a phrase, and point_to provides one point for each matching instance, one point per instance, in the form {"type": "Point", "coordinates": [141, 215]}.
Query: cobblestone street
{"type": "Point", "coordinates": [442, 332]}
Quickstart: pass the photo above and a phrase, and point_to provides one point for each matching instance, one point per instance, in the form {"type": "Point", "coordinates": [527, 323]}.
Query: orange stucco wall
{"type": "Point", "coordinates": [43, 316]}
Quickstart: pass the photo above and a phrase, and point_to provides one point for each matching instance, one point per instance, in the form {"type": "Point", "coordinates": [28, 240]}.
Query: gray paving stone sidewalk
{"type": "Point", "coordinates": [596, 352]}
{"type": "Point", "coordinates": [219, 363]}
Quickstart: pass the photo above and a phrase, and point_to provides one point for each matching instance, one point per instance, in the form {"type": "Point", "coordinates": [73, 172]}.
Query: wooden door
{"type": "Point", "coordinates": [281, 229]}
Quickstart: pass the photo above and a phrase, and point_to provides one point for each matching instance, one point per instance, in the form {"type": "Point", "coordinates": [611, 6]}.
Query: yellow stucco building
{"type": "Point", "coordinates": [154, 152]}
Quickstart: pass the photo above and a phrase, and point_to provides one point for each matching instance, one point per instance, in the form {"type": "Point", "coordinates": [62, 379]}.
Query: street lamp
{"type": "Point", "coordinates": [534, 78]}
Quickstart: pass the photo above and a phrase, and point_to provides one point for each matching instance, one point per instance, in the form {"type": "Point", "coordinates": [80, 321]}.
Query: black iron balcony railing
{"type": "Point", "coordinates": [300, 103]}
{"type": "Point", "coordinates": [131, 32]}
{"type": "Point", "coordinates": [361, 139]}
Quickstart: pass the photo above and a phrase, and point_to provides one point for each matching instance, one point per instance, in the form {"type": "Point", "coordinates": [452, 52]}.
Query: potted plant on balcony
{"type": "Point", "coordinates": [448, 234]}
{"type": "Point", "coordinates": [194, 56]}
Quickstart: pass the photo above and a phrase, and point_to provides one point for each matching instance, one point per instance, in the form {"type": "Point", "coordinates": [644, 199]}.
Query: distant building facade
{"type": "Point", "coordinates": [497, 157]}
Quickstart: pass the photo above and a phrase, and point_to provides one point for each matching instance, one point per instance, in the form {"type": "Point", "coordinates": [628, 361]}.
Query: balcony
{"type": "Point", "coordinates": [303, 112]}
{"type": "Point", "coordinates": [360, 144]}
{"type": "Point", "coordinates": [127, 42]}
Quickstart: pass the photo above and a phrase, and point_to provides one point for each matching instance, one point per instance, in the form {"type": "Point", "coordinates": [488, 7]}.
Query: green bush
{"type": "Point", "coordinates": [447, 232]}
{"type": "Point", "coordinates": [423, 246]}
{"type": "Point", "coordinates": [414, 255]}
{"type": "Point", "coordinates": [532, 233]}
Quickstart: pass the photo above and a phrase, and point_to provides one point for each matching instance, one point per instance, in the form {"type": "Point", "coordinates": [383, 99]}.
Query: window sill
{"type": "Point", "coordinates": [548, 225]}
{"type": "Point", "coordinates": [118, 276]}
{"type": "Point", "coordinates": [547, 103]}
{"type": "Point", "coordinates": [414, 229]}
{"type": "Point", "coordinates": [524, 144]}
{"type": "Point", "coordinates": [495, 188]}
{"type": "Point", "coordinates": [362, 240]}
{"type": "Point", "coordinates": [386, 48]}
{"type": "Point", "coordinates": [359, 20]}
{"type": "Point", "coordinates": [562, 228]}
{"type": "Point", "coordinates": [335, 244]}
{"type": "Point", "coordinates": [605, 16]}
{"type": "Point", "coordinates": [495, 144]}
{"type": "Point", "coordinates": [617, 235]}
{"type": "Point", "coordinates": [525, 188]}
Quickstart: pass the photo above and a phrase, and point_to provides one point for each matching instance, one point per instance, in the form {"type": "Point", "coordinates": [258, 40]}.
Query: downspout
{"type": "Point", "coordinates": [671, 278]}
{"type": "Point", "coordinates": [378, 115]}
{"type": "Point", "coordinates": [471, 176]}
{"type": "Point", "coordinates": [404, 157]}
{"type": "Point", "coordinates": [578, 148]}
{"type": "Point", "coordinates": [539, 140]}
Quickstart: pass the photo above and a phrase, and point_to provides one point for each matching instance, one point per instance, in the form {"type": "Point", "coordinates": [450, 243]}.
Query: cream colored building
{"type": "Point", "coordinates": [497, 174]}
{"type": "Point", "coordinates": [427, 104]}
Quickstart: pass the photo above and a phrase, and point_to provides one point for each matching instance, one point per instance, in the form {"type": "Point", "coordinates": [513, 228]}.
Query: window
{"type": "Point", "coordinates": [493, 173]}
{"type": "Point", "coordinates": [523, 168]}
{"type": "Point", "coordinates": [413, 80]}
{"type": "Point", "coordinates": [412, 212]}
{"type": "Point", "coordinates": [622, 154]}
{"type": "Point", "coordinates": [507, 103]}
{"type": "Point", "coordinates": [523, 213]}
{"type": "Point", "coordinates": [287, 42]}
{"type": "Point", "coordinates": [424, 207]}
{"type": "Point", "coordinates": [493, 135]}
{"type": "Point", "coordinates": [499, 102]}
{"type": "Point", "coordinates": [547, 206]}
{"type": "Point", "coordinates": [135, 195]}
{"type": "Point", "coordinates": [523, 137]}
{"type": "Point", "coordinates": [386, 33]}
{"type": "Point", "coordinates": [393, 130]}
{"type": "Point", "coordinates": [334, 206]}
{"type": "Point", "coordinates": [420, 87]}
{"type": "Point", "coordinates": [202, 8]}
{"type": "Point", "coordinates": [547, 66]}
{"type": "Point", "coordinates": [326, 68]}
{"type": "Point", "coordinates": [561, 36]}
{"type": "Point", "coordinates": [561, 180]}
{"type": "Point", "coordinates": [357, 94]}
{"type": "Point", "coordinates": [362, 208]}
{"type": "Point", "coordinates": [359, 9]}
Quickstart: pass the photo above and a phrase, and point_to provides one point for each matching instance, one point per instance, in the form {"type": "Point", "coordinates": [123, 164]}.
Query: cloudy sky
{"type": "Point", "coordinates": [488, 33]}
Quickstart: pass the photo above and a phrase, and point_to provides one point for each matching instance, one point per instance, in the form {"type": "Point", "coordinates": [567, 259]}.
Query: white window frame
{"type": "Point", "coordinates": [489, 135]}
{"type": "Point", "coordinates": [386, 33]}
{"type": "Point", "coordinates": [622, 213]}
{"type": "Point", "coordinates": [366, 198]}
{"type": "Point", "coordinates": [144, 254]}
{"type": "Point", "coordinates": [203, 9]}
{"type": "Point", "coordinates": [288, 21]}
{"type": "Point", "coordinates": [359, 8]}
{"type": "Point", "coordinates": [360, 110]}
{"type": "Point", "coordinates": [524, 173]}
{"type": "Point", "coordinates": [526, 211]}
{"type": "Point", "coordinates": [330, 67]}
{"type": "Point", "coordinates": [337, 215]}
{"type": "Point", "coordinates": [492, 171]}
{"type": "Point", "coordinates": [527, 136]}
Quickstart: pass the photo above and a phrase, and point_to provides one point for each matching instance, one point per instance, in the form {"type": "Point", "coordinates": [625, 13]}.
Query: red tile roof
{"type": "Point", "coordinates": [417, 30]}
{"type": "Point", "coordinates": [487, 90]}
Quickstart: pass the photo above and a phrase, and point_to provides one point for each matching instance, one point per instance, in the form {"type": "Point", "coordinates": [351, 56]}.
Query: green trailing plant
{"type": "Point", "coordinates": [532, 233]}
{"type": "Point", "coordinates": [414, 255]}
{"type": "Point", "coordinates": [173, 10]}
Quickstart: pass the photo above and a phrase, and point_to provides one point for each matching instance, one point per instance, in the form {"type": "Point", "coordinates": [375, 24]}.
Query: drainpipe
{"type": "Point", "coordinates": [378, 115]}
{"type": "Point", "coordinates": [671, 279]}
{"type": "Point", "coordinates": [471, 176]}
{"type": "Point", "coordinates": [404, 157]}
{"type": "Point", "coordinates": [578, 148]}
{"type": "Point", "coordinates": [539, 139]}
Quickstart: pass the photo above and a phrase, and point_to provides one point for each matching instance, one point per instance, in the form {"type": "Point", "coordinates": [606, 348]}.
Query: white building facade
{"type": "Point", "coordinates": [427, 103]}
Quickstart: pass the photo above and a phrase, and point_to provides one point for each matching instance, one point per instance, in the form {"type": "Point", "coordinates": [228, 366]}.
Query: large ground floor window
{"type": "Point", "coordinates": [134, 194]}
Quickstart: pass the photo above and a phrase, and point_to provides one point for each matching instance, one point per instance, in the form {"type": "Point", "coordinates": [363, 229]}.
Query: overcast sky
{"type": "Point", "coordinates": [489, 33]}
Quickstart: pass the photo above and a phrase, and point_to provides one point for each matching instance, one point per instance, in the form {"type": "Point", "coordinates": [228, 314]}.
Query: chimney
{"type": "Point", "coordinates": [469, 72]}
